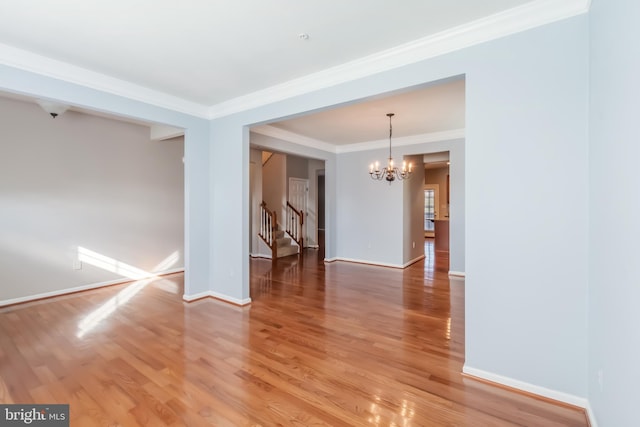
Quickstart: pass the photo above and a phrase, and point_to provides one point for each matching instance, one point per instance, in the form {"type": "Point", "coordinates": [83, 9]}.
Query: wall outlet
{"type": "Point", "coordinates": [77, 264]}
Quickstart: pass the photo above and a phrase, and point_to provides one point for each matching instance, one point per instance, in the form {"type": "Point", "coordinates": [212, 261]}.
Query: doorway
{"type": "Point", "coordinates": [321, 206]}
{"type": "Point", "coordinates": [436, 203]}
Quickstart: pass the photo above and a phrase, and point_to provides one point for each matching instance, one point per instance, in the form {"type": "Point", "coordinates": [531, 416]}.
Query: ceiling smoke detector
{"type": "Point", "coordinates": [53, 108]}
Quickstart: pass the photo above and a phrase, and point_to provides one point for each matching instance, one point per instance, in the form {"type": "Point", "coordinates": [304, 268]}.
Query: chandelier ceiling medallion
{"type": "Point", "coordinates": [391, 172]}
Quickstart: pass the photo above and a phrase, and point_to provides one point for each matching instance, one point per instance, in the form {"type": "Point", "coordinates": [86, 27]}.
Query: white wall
{"type": "Point", "coordinates": [82, 181]}
{"type": "Point", "coordinates": [614, 297]}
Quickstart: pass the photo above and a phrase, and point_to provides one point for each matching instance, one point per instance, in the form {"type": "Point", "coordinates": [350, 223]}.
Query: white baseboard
{"type": "Point", "coordinates": [413, 261]}
{"type": "Point", "coordinates": [313, 246]}
{"type": "Point", "coordinates": [266, 256]}
{"type": "Point", "coordinates": [379, 264]}
{"type": "Point", "coordinates": [591, 417]}
{"type": "Point", "coordinates": [88, 287]}
{"type": "Point", "coordinates": [363, 261]}
{"type": "Point", "coordinates": [193, 297]}
{"type": "Point", "coordinates": [456, 273]}
{"type": "Point", "coordinates": [559, 396]}
{"type": "Point", "coordinates": [230, 299]}
{"type": "Point", "coordinates": [216, 295]}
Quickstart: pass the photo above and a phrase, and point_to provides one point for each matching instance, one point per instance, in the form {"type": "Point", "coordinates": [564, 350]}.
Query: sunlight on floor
{"type": "Point", "coordinates": [115, 266]}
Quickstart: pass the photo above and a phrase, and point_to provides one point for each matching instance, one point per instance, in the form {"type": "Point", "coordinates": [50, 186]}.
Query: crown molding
{"type": "Point", "coordinates": [317, 144]}
{"type": "Point", "coordinates": [446, 135]}
{"type": "Point", "coordinates": [285, 135]}
{"type": "Point", "coordinates": [32, 62]}
{"type": "Point", "coordinates": [511, 21]}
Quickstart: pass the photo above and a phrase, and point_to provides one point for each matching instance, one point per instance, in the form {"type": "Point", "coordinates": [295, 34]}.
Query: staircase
{"type": "Point", "coordinates": [282, 243]}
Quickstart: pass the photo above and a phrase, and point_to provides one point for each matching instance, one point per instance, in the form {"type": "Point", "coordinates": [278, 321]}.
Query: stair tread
{"type": "Point", "coordinates": [287, 250]}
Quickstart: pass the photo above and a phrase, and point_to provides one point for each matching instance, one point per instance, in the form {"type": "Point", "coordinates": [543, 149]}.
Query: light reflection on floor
{"type": "Point", "coordinates": [434, 260]}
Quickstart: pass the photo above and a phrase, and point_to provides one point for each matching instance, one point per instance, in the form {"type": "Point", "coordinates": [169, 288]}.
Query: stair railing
{"type": "Point", "coordinates": [294, 223]}
{"type": "Point", "coordinates": [268, 227]}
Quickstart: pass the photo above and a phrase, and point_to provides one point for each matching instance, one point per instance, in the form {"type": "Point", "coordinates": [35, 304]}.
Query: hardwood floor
{"type": "Point", "coordinates": [338, 344]}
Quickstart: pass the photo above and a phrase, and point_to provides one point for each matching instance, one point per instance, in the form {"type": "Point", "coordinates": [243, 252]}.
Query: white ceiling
{"type": "Point", "coordinates": [209, 57]}
{"type": "Point", "coordinates": [435, 108]}
{"type": "Point", "coordinates": [210, 51]}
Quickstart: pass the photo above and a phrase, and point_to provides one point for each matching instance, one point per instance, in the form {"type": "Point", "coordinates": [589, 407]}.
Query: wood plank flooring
{"type": "Point", "coordinates": [321, 345]}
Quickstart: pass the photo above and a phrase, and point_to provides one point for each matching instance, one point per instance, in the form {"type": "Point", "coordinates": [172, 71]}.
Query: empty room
{"type": "Point", "coordinates": [318, 213]}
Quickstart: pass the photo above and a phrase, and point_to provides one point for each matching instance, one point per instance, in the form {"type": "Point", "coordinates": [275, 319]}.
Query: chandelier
{"type": "Point", "coordinates": [391, 172]}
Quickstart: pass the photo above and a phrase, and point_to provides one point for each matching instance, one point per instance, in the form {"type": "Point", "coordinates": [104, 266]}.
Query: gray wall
{"type": "Point", "coordinates": [614, 294]}
{"type": "Point", "coordinates": [413, 217]}
{"type": "Point", "coordinates": [526, 288]}
{"type": "Point", "coordinates": [297, 167]}
{"type": "Point", "coordinates": [82, 181]}
{"type": "Point", "coordinates": [526, 108]}
{"type": "Point", "coordinates": [258, 248]}
{"type": "Point", "coordinates": [371, 233]}
{"type": "Point", "coordinates": [274, 184]}
{"type": "Point", "coordinates": [311, 219]}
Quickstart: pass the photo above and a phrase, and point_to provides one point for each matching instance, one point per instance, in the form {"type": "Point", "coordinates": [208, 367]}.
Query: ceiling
{"type": "Point", "coordinates": [432, 109]}
{"type": "Point", "coordinates": [211, 51]}
{"type": "Point", "coordinates": [202, 56]}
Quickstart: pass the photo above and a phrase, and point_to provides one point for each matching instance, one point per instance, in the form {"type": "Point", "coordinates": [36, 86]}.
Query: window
{"type": "Point", "coordinates": [429, 209]}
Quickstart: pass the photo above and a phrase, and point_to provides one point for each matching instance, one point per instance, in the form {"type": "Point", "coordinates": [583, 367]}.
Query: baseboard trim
{"type": "Point", "coordinates": [215, 295]}
{"type": "Point", "coordinates": [413, 261]}
{"type": "Point", "coordinates": [457, 273]}
{"type": "Point", "coordinates": [362, 261]}
{"type": "Point", "coordinates": [83, 288]}
{"type": "Point", "coordinates": [265, 256]}
{"type": "Point", "coordinates": [377, 264]}
{"type": "Point", "coordinates": [591, 417]}
{"type": "Point", "coordinates": [527, 388]}
{"type": "Point", "coordinates": [195, 297]}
